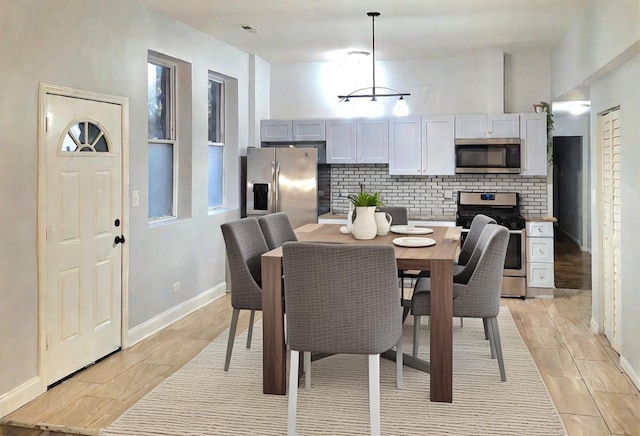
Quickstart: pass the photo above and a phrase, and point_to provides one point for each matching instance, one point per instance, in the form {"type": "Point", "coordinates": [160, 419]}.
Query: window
{"type": "Point", "coordinates": [162, 137]}
{"type": "Point", "coordinates": [216, 142]}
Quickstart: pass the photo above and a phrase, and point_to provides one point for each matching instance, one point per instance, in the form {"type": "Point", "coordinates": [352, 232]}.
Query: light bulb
{"type": "Point", "coordinates": [376, 109]}
{"type": "Point", "coordinates": [578, 109]}
{"type": "Point", "coordinates": [401, 109]}
{"type": "Point", "coordinates": [345, 109]}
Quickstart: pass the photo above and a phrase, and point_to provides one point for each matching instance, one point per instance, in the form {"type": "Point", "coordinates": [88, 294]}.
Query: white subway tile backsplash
{"type": "Point", "coordinates": [430, 196]}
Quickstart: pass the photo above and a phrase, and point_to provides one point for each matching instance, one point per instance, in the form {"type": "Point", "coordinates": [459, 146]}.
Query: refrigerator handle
{"type": "Point", "coordinates": [276, 190]}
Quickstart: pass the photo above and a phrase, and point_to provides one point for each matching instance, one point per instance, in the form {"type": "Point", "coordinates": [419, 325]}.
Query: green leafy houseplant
{"type": "Point", "coordinates": [546, 107]}
{"type": "Point", "coordinates": [365, 199]}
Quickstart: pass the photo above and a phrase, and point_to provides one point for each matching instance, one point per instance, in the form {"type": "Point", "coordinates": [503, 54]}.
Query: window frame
{"type": "Point", "coordinates": [156, 59]}
{"type": "Point", "coordinates": [212, 76]}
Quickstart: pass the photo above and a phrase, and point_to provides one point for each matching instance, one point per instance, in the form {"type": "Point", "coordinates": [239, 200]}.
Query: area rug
{"type": "Point", "coordinates": [202, 399]}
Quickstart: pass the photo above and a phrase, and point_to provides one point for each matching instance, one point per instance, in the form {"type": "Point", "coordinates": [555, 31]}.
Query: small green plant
{"type": "Point", "coordinates": [365, 199]}
{"type": "Point", "coordinates": [546, 107]}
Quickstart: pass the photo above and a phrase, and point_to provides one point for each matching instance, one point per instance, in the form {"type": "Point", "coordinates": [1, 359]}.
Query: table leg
{"type": "Point", "coordinates": [441, 330]}
{"type": "Point", "coordinates": [274, 363]}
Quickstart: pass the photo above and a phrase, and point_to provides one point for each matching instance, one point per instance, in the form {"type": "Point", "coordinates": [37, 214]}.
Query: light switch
{"type": "Point", "coordinates": [135, 198]}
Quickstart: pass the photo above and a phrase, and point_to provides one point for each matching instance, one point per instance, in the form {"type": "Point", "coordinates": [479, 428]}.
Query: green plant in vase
{"type": "Point", "coordinates": [362, 224]}
{"type": "Point", "coordinates": [365, 199]}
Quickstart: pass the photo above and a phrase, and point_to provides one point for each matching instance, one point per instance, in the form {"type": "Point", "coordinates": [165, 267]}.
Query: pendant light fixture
{"type": "Point", "coordinates": [400, 108]}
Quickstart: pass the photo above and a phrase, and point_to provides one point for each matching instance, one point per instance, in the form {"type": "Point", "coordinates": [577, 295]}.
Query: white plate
{"type": "Point", "coordinates": [414, 242]}
{"type": "Point", "coordinates": [410, 230]}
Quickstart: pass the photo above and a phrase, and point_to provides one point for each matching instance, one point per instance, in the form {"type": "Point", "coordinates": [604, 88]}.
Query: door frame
{"type": "Point", "coordinates": [42, 218]}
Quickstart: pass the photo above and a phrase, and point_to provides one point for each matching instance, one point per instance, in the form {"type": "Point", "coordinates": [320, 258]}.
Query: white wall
{"type": "Point", "coordinates": [601, 52]}
{"type": "Point", "coordinates": [527, 80]}
{"type": "Point", "coordinates": [259, 96]}
{"type": "Point", "coordinates": [102, 45]}
{"type": "Point", "coordinates": [621, 87]}
{"type": "Point", "coordinates": [473, 84]}
{"type": "Point", "coordinates": [594, 44]}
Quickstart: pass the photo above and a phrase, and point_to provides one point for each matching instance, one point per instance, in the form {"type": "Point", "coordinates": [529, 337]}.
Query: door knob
{"type": "Point", "coordinates": [119, 240]}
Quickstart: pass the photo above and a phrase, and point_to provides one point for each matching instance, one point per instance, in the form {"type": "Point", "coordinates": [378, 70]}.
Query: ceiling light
{"type": "Point", "coordinates": [578, 109]}
{"type": "Point", "coordinates": [403, 108]}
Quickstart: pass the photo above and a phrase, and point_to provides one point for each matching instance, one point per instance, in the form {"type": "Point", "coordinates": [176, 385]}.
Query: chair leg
{"type": "Point", "coordinates": [461, 322]}
{"type": "Point", "coordinates": [293, 392]}
{"type": "Point", "coordinates": [250, 332]}
{"type": "Point", "coordinates": [498, 346]}
{"type": "Point", "coordinates": [416, 334]}
{"type": "Point", "coordinates": [307, 369]}
{"type": "Point", "coordinates": [374, 393]}
{"type": "Point", "coordinates": [399, 363]}
{"type": "Point", "coordinates": [486, 328]}
{"type": "Point", "coordinates": [492, 342]}
{"type": "Point", "coordinates": [232, 336]}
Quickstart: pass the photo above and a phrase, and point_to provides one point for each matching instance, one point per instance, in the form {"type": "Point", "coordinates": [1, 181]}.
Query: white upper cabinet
{"type": "Point", "coordinates": [422, 146]}
{"type": "Point", "coordinates": [308, 130]}
{"type": "Point", "coordinates": [405, 146]}
{"type": "Point", "coordinates": [487, 126]}
{"type": "Point", "coordinates": [341, 141]}
{"type": "Point", "coordinates": [372, 140]}
{"type": "Point", "coordinates": [362, 140]}
{"type": "Point", "coordinates": [276, 130]}
{"type": "Point", "coordinates": [291, 130]}
{"type": "Point", "coordinates": [533, 144]}
{"type": "Point", "coordinates": [438, 134]}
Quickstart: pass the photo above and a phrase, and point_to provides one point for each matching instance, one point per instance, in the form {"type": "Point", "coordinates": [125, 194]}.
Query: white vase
{"type": "Point", "coordinates": [364, 226]}
{"type": "Point", "coordinates": [383, 223]}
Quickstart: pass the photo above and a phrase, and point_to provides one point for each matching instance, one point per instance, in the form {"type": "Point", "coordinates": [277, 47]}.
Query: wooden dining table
{"type": "Point", "coordinates": [438, 259]}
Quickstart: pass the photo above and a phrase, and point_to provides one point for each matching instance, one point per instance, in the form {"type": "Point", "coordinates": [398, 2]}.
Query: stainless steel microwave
{"type": "Point", "coordinates": [494, 155]}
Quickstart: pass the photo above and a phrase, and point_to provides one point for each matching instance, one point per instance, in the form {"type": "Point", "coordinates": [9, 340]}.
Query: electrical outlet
{"type": "Point", "coordinates": [176, 287]}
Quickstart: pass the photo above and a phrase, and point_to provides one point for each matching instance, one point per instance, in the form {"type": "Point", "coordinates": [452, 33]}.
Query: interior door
{"type": "Point", "coordinates": [83, 259]}
{"type": "Point", "coordinates": [611, 225]}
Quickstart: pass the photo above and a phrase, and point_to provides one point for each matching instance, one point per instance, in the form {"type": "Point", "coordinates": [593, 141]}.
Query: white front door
{"type": "Point", "coordinates": [82, 274]}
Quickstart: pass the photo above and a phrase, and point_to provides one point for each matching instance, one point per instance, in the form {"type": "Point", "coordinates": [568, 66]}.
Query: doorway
{"type": "Point", "coordinates": [81, 228]}
{"type": "Point", "coordinates": [567, 186]}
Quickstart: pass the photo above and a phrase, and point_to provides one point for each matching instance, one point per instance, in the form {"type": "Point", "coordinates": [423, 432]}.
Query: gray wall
{"type": "Point", "coordinates": [101, 45]}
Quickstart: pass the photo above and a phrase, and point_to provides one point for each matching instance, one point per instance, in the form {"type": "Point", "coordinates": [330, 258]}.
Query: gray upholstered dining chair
{"type": "Point", "coordinates": [276, 229]}
{"type": "Point", "coordinates": [477, 225]}
{"type": "Point", "coordinates": [399, 215]}
{"type": "Point", "coordinates": [245, 245]}
{"type": "Point", "coordinates": [480, 296]}
{"type": "Point", "coordinates": [341, 298]}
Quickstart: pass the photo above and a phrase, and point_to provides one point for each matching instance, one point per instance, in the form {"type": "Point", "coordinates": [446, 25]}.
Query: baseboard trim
{"type": "Point", "coordinates": [594, 326]}
{"type": "Point", "coordinates": [19, 396]}
{"type": "Point", "coordinates": [635, 378]}
{"type": "Point", "coordinates": [172, 315]}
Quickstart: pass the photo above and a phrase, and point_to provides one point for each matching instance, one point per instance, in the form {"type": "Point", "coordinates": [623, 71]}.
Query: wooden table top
{"type": "Point", "coordinates": [447, 243]}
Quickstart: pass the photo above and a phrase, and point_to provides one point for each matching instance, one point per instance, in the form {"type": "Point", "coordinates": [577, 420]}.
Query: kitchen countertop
{"type": "Point", "coordinates": [334, 216]}
{"type": "Point", "coordinates": [441, 220]}
{"type": "Point", "coordinates": [533, 218]}
{"type": "Point", "coordinates": [540, 218]}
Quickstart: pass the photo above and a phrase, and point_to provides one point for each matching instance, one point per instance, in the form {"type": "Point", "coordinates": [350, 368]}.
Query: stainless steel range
{"type": "Point", "coordinates": [504, 207]}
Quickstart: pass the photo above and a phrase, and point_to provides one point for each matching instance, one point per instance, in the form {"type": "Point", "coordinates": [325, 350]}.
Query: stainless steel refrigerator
{"type": "Point", "coordinates": [283, 180]}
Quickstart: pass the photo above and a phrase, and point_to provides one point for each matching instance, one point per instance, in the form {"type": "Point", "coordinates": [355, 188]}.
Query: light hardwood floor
{"type": "Point", "coordinates": [592, 393]}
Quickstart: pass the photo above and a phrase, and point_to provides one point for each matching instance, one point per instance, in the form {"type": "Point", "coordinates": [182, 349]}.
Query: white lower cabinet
{"type": "Point", "coordinates": [539, 254]}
